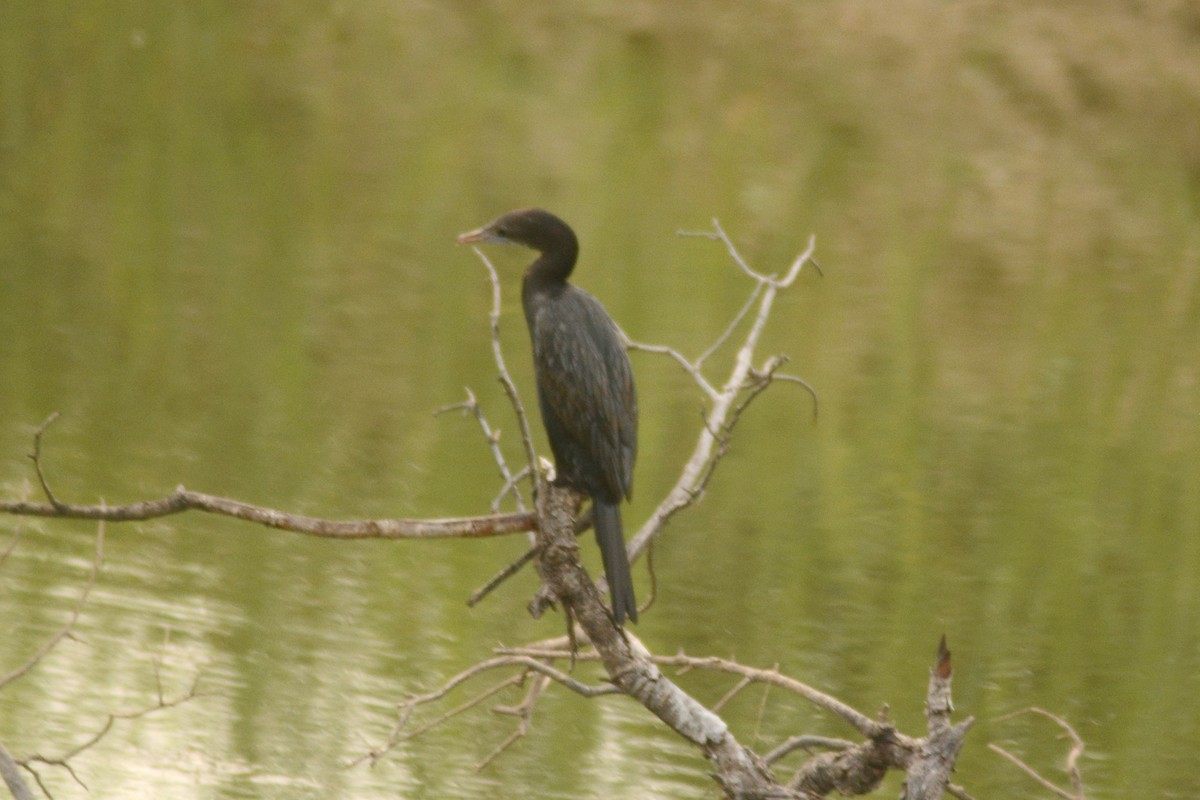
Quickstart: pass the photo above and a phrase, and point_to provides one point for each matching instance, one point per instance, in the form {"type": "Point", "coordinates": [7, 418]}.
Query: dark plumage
{"type": "Point", "coordinates": [584, 382]}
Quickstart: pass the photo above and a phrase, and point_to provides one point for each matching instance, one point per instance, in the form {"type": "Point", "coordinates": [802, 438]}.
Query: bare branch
{"type": "Point", "coordinates": [1073, 756]}
{"type": "Point", "coordinates": [36, 456]}
{"type": "Point", "coordinates": [868, 727]}
{"type": "Point", "coordinates": [69, 627]}
{"type": "Point", "coordinates": [471, 406]}
{"type": "Point", "coordinates": [928, 774]}
{"type": "Point", "coordinates": [732, 693]}
{"type": "Point", "coordinates": [689, 367]}
{"type": "Point", "coordinates": [805, 257]}
{"type": "Point", "coordinates": [17, 534]}
{"type": "Point", "coordinates": [629, 664]}
{"type": "Point", "coordinates": [732, 326]}
{"type": "Point", "coordinates": [187, 500]}
{"type": "Point", "coordinates": [500, 577]}
{"type": "Point", "coordinates": [497, 353]}
{"type": "Point", "coordinates": [806, 742]}
{"type": "Point", "coordinates": [64, 761]}
{"type": "Point", "coordinates": [510, 487]}
{"type": "Point", "coordinates": [718, 233]}
{"type": "Point", "coordinates": [958, 791]}
{"type": "Point", "coordinates": [709, 444]}
{"type": "Point", "coordinates": [804, 385]}
{"type": "Point", "coordinates": [525, 663]}
{"type": "Point", "coordinates": [524, 713]}
{"type": "Point", "coordinates": [10, 771]}
{"type": "Point", "coordinates": [406, 709]}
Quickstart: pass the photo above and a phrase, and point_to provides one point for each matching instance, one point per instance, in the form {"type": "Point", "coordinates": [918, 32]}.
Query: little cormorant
{"type": "Point", "coordinates": [584, 382]}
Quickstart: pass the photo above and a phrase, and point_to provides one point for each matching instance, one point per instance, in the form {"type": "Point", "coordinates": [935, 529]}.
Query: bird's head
{"type": "Point", "coordinates": [531, 227]}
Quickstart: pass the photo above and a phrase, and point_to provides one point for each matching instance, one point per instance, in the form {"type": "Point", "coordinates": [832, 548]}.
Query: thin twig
{"type": "Point", "coordinates": [718, 233]}
{"type": "Point", "coordinates": [491, 691]}
{"type": "Point", "coordinates": [510, 487]}
{"type": "Point", "coordinates": [872, 729]}
{"type": "Point", "coordinates": [69, 627]}
{"type": "Point", "coordinates": [732, 693]}
{"type": "Point", "coordinates": [526, 663]}
{"type": "Point", "coordinates": [1073, 756]}
{"type": "Point", "coordinates": [729, 329]}
{"type": "Point", "coordinates": [762, 707]}
{"type": "Point", "coordinates": [688, 366]}
{"type": "Point", "coordinates": [856, 719]}
{"type": "Point", "coordinates": [17, 533]}
{"type": "Point", "coordinates": [806, 742]}
{"type": "Point", "coordinates": [64, 761]}
{"type": "Point", "coordinates": [808, 387]}
{"type": "Point", "coordinates": [498, 354]}
{"type": "Point", "coordinates": [958, 791]}
{"type": "Point", "coordinates": [1031, 772]}
{"type": "Point", "coordinates": [500, 577]}
{"type": "Point", "coordinates": [472, 407]}
{"type": "Point", "coordinates": [36, 456]}
{"type": "Point", "coordinates": [11, 545]}
{"type": "Point", "coordinates": [524, 713]}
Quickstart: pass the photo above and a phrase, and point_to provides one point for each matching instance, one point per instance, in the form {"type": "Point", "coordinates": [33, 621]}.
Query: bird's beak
{"type": "Point", "coordinates": [477, 236]}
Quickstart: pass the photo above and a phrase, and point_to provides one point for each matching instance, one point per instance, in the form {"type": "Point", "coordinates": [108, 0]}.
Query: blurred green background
{"type": "Point", "coordinates": [226, 256]}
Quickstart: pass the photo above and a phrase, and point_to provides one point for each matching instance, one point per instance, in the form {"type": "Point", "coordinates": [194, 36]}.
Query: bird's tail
{"type": "Point", "coordinates": [606, 519]}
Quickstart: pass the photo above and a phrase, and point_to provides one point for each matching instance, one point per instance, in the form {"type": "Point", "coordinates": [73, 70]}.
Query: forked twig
{"type": "Point", "coordinates": [712, 442]}
{"type": "Point", "coordinates": [64, 761]}
{"type": "Point", "coordinates": [526, 665]}
{"type": "Point", "coordinates": [524, 713]}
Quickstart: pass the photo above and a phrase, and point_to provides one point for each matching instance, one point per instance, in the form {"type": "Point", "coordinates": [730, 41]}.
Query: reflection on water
{"type": "Point", "coordinates": [229, 262]}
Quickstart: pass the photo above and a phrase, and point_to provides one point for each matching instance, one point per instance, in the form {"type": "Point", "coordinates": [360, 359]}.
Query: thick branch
{"type": "Point", "coordinates": [628, 664]}
{"type": "Point", "coordinates": [10, 771]}
{"type": "Point", "coordinates": [929, 772]}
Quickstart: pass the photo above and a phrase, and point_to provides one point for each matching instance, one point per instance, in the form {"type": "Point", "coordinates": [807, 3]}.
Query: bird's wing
{"type": "Point", "coordinates": [585, 386]}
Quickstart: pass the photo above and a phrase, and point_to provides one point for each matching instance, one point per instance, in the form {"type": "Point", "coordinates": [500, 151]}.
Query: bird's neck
{"type": "Point", "coordinates": [545, 279]}
{"type": "Point", "coordinates": [550, 270]}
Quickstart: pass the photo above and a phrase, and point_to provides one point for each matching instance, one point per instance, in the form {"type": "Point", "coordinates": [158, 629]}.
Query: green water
{"type": "Point", "coordinates": [226, 256]}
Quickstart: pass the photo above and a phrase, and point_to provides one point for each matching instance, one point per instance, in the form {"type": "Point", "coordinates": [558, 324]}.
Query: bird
{"type": "Point", "coordinates": [585, 385]}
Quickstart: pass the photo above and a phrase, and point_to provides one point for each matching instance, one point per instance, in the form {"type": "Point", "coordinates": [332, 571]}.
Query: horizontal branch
{"type": "Point", "coordinates": [187, 500]}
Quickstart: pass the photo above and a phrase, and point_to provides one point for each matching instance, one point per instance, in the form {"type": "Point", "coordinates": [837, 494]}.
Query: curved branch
{"type": "Point", "coordinates": [1072, 766]}
{"type": "Point", "coordinates": [69, 627]}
